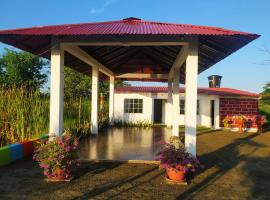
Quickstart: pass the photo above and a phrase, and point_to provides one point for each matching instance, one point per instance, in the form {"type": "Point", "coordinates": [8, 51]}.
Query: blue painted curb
{"type": "Point", "coordinates": [13, 152]}
{"type": "Point", "coordinates": [16, 151]}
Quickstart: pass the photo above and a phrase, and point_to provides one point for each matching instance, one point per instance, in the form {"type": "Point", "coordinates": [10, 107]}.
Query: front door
{"type": "Point", "coordinates": [157, 110]}
{"type": "Point", "coordinates": [212, 112]}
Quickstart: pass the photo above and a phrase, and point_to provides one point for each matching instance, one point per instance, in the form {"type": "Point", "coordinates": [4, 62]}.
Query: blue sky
{"type": "Point", "coordinates": [246, 69]}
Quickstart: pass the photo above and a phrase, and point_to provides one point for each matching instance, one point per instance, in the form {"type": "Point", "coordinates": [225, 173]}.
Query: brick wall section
{"type": "Point", "coordinates": [237, 106]}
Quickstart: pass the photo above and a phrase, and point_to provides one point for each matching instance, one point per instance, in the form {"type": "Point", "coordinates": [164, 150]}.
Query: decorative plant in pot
{"type": "Point", "coordinates": [240, 121]}
{"type": "Point", "coordinates": [227, 122]}
{"type": "Point", "coordinates": [57, 157]}
{"type": "Point", "coordinates": [177, 162]}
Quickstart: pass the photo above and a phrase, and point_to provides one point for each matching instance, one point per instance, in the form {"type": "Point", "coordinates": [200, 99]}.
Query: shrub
{"type": "Point", "coordinates": [60, 153]}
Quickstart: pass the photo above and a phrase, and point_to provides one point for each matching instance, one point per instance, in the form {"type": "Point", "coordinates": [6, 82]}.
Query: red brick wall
{"type": "Point", "coordinates": [235, 106]}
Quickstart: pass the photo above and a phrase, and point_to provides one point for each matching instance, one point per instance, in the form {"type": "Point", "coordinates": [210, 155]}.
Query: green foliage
{"type": "Point", "coordinates": [79, 85]}
{"type": "Point", "coordinates": [23, 114]}
{"type": "Point", "coordinates": [264, 102]}
{"type": "Point", "coordinates": [265, 95]}
{"type": "Point", "coordinates": [76, 84]}
{"type": "Point", "coordinates": [143, 124]}
{"type": "Point", "coordinates": [19, 68]}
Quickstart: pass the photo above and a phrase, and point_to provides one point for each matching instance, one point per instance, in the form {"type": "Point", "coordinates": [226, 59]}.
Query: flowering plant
{"type": "Point", "coordinates": [227, 121]}
{"type": "Point", "coordinates": [177, 158]}
{"type": "Point", "coordinates": [60, 154]}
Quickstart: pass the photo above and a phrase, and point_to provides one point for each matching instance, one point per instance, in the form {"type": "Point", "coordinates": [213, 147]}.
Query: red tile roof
{"type": "Point", "coordinates": [129, 26]}
{"type": "Point", "coordinates": [209, 91]}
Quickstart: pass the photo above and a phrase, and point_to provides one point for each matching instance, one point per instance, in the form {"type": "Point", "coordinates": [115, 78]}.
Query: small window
{"type": "Point", "coordinates": [182, 107]}
{"type": "Point", "coordinates": [198, 107]}
{"type": "Point", "coordinates": [133, 105]}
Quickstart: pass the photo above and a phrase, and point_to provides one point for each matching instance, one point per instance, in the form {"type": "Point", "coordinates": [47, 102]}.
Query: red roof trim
{"type": "Point", "coordinates": [209, 91]}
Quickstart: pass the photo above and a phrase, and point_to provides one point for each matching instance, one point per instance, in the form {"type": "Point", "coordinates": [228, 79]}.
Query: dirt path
{"type": "Point", "coordinates": [236, 167]}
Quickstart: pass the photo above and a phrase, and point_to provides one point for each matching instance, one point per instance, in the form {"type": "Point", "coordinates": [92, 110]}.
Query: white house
{"type": "Point", "coordinates": [150, 104]}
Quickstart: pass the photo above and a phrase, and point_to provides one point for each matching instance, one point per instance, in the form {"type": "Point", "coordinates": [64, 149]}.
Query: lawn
{"type": "Point", "coordinates": [237, 166]}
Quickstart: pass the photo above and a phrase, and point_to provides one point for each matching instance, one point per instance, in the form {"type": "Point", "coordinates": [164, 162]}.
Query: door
{"type": "Point", "coordinates": [212, 112]}
{"type": "Point", "coordinates": [157, 110]}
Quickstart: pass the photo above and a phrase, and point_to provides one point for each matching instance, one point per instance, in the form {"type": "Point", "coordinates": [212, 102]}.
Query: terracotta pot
{"type": "Point", "coordinates": [58, 174]}
{"type": "Point", "coordinates": [241, 126]}
{"type": "Point", "coordinates": [176, 175]}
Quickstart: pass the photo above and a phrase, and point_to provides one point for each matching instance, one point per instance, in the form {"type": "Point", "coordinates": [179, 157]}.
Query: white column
{"type": "Point", "coordinates": [111, 99]}
{"type": "Point", "coordinates": [176, 99]}
{"type": "Point", "coordinates": [191, 97]}
{"type": "Point", "coordinates": [94, 102]}
{"type": "Point", "coordinates": [56, 91]}
{"type": "Point", "coordinates": [169, 101]}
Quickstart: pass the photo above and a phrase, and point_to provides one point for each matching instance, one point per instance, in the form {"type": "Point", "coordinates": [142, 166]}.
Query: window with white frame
{"type": "Point", "coordinates": [182, 107]}
{"type": "Point", "coordinates": [133, 105]}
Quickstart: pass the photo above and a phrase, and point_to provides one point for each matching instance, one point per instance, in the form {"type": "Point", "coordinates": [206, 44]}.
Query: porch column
{"type": "Point", "coordinates": [111, 99]}
{"type": "Point", "coordinates": [170, 101]}
{"type": "Point", "coordinates": [56, 91]}
{"type": "Point", "coordinates": [191, 97]}
{"type": "Point", "coordinates": [176, 106]}
{"type": "Point", "coordinates": [94, 102]}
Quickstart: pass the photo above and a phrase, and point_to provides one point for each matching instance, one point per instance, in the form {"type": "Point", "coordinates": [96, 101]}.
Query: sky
{"type": "Point", "coordinates": [246, 69]}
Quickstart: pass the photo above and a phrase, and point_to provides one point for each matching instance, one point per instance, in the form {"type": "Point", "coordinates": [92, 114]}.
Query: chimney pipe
{"type": "Point", "coordinates": [214, 81]}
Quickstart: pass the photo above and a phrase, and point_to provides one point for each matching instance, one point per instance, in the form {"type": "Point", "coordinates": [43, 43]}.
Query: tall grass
{"type": "Point", "coordinates": [24, 115]}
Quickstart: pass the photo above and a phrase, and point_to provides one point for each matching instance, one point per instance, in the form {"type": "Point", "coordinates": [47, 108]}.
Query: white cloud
{"type": "Point", "coordinates": [102, 8]}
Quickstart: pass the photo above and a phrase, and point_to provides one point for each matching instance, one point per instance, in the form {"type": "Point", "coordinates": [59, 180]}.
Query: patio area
{"type": "Point", "coordinates": [237, 166]}
{"type": "Point", "coordinates": [124, 144]}
{"type": "Point", "coordinates": [127, 144]}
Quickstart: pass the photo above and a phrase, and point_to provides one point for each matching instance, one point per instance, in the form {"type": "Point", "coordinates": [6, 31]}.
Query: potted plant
{"type": "Point", "coordinates": [240, 121]}
{"type": "Point", "coordinates": [177, 162]}
{"type": "Point", "coordinates": [57, 157]}
{"type": "Point", "coordinates": [227, 122]}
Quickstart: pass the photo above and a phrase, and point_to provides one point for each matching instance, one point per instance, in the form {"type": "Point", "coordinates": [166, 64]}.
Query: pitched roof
{"type": "Point", "coordinates": [203, 90]}
{"type": "Point", "coordinates": [133, 26]}
{"type": "Point", "coordinates": [214, 44]}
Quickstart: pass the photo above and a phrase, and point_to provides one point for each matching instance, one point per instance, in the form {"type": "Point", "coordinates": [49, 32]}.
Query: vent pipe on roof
{"type": "Point", "coordinates": [132, 19]}
{"type": "Point", "coordinates": [214, 81]}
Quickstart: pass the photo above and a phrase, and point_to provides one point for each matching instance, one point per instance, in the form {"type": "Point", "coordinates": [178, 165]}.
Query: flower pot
{"type": "Point", "coordinates": [241, 126]}
{"type": "Point", "coordinates": [176, 175]}
{"type": "Point", "coordinates": [59, 174]}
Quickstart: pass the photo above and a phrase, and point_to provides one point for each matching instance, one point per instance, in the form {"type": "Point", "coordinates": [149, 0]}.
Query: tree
{"type": "Point", "coordinates": [265, 95]}
{"type": "Point", "coordinates": [79, 85]}
{"type": "Point", "coordinates": [19, 68]}
{"type": "Point", "coordinates": [76, 84]}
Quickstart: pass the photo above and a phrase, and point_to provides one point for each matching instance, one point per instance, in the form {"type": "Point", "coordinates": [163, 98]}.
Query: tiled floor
{"type": "Point", "coordinates": [124, 144]}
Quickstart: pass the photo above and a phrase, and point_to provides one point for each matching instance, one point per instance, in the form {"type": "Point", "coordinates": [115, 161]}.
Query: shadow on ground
{"type": "Point", "coordinates": [256, 170]}
{"type": "Point", "coordinates": [236, 167]}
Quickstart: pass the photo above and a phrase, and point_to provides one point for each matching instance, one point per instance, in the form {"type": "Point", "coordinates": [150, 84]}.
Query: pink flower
{"type": "Point", "coordinates": [67, 149]}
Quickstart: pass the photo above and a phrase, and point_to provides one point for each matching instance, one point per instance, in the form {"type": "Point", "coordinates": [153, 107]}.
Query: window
{"type": "Point", "coordinates": [182, 107]}
{"type": "Point", "coordinates": [133, 105]}
{"type": "Point", "coordinates": [198, 107]}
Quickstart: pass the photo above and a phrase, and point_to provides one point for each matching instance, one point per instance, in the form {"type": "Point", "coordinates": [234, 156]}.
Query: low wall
{"type": "Point", "coordinates": [14, 152]}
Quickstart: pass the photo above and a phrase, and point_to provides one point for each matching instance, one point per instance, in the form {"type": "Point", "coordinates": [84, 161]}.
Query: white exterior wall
{"type": "Point", "coordinates": [203, 119]}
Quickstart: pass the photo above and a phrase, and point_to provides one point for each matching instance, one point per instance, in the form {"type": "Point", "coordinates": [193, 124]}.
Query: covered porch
{"type": "Point", "coordinates": [129, 49]}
